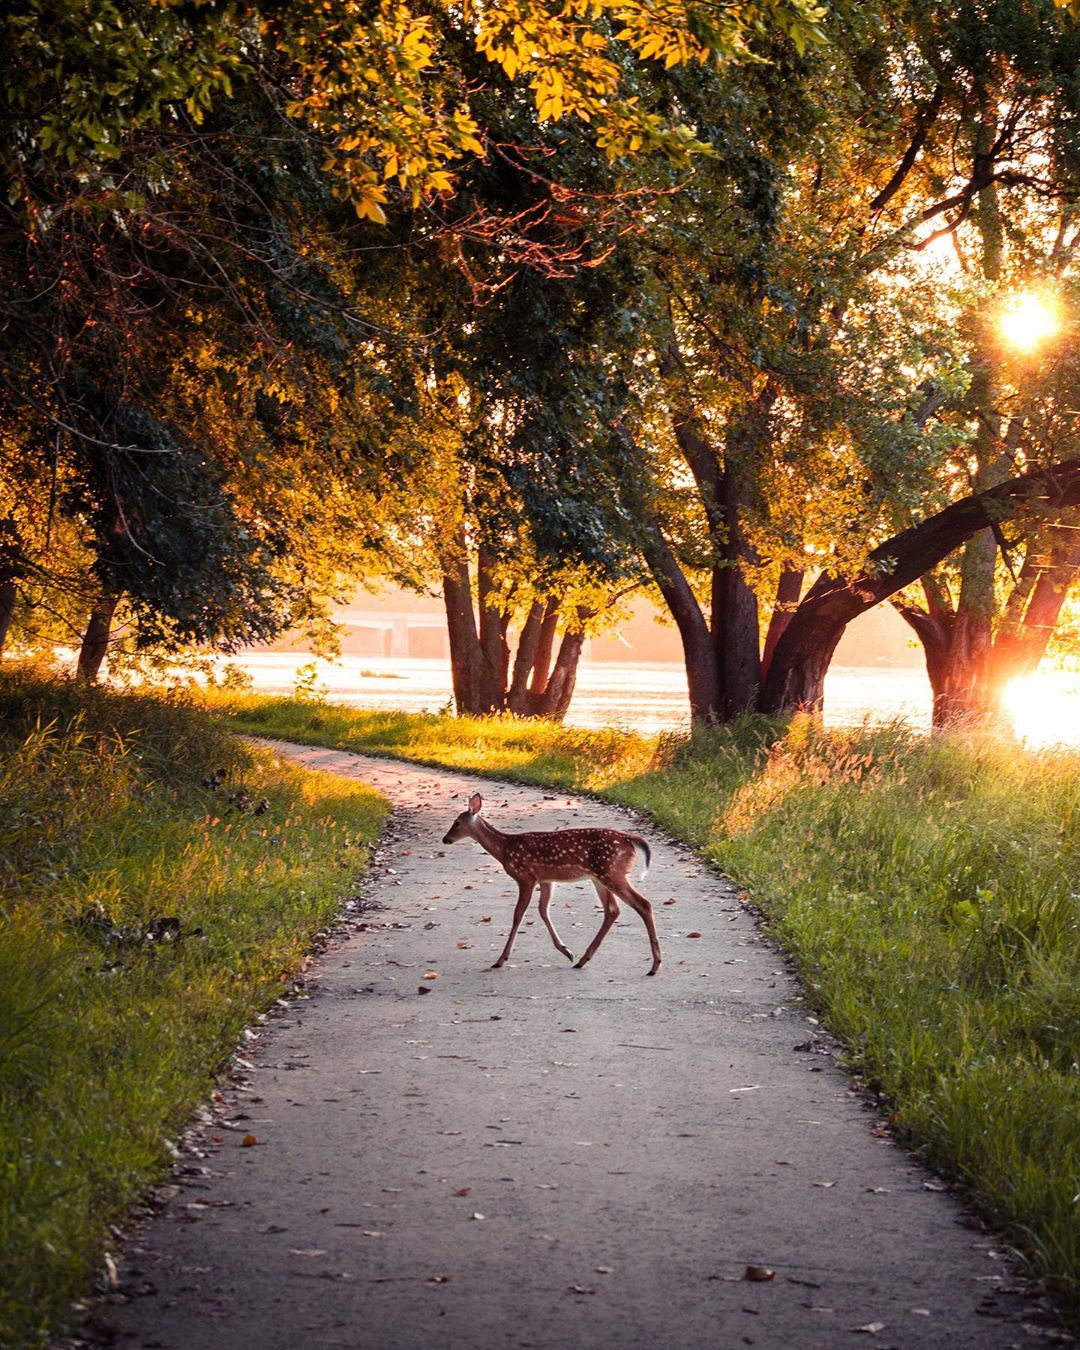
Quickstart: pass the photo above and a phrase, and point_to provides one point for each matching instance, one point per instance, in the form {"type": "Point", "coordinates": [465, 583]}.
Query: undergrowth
{"type": "Point", "coordinates": [928, 888]}
{"type": "Point", "coordinates": [144, 919]}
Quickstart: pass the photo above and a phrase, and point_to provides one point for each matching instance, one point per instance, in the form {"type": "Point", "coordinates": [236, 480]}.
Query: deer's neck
{"type": "Point", "coordinates": [490, 839]}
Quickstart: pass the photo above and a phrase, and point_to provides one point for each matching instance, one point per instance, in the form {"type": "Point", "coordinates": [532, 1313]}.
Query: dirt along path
{"type": "Point", "coordinates": [545, 1157]}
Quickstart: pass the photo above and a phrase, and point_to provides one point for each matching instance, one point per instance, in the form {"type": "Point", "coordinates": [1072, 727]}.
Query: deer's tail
{"type": "Point", "coordinates": [642, 846]}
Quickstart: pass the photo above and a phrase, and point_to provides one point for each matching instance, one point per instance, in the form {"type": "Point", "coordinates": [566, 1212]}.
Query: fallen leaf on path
{"type": "Point", "coordinates": [605, 1270]}
{"type": "Point", "coordinates": [672, 901]}
{"type": "Point", "coordinates": [871, 1328]}
{"type": "Point", "coordinates": [753, 1088]}
{"type": "Point", "coordinates": [439, 1279]}
{"type": "Point", "coordinates": [877, 1190]}
{"type": "Point", "coordinates": [485, 918]}
{"type": "Point", "coordinates": [934, 1186]}
{"type": "Point", "coordinates": [823, 1184]}
{"type": "Point", "coordinates": [306, 1251]}
{"type": "Point", "coordinates": [429, 926]}
{"type": "Point", "coordinates": [759, 1274]}
{"type": "Point", "coordinates": [248, 1141]}
{"type": "Point", "coordinates": [464, 946]}
{"type": "Point", "coordinates": [477, 1215]}
{"type": "Point", "coordinates": [570, 1029]}
{"type": "Point", "coordinates": [546, 1186]}
{"type": "Point", "coordinates": [579, 1289]}
{"type": "Point", "coordinates": [431, 974]}
{"type": "Point", "coordinates": [465, 1190]}
{"type": "Point", "coordinates": [690, 935]}
{"type": "Point", "coordinates": [423, 989]}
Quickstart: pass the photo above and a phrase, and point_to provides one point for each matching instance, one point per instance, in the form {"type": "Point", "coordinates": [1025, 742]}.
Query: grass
{"type": "Point", "coordinates": [108, 1037]}
{"type": "Point", "coordinates": [928, 888]}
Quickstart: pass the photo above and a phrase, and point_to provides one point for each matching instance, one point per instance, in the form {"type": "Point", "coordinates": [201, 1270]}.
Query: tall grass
{"type": "Point", "coordinates": [111, 1027]}
{"type": "Point", "coordinates": [928, 888]}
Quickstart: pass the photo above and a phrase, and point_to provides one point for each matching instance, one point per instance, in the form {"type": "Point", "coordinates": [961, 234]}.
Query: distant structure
{"type": "Point", "coordinates": [386, 632]}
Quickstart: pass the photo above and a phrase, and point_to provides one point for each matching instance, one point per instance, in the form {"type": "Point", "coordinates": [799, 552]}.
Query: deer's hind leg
{"type": "Point", "coordinates": [525, 890]}
{"type": "Point", "coordinates": [611, 913]}
{"type": "Point", "coordinates": [637, 902]}
{"type": "Point", "coordinates": [545, 900]}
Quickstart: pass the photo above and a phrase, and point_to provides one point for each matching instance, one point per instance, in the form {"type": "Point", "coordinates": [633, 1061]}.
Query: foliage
{"type": "Point", "coordinates": [109, 1037]}
{"type": "Point", "coordinates": [377, 84]}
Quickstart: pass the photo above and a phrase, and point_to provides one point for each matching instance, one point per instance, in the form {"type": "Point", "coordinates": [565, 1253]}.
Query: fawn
{"type": "Point", "coordinates": [604, 857]}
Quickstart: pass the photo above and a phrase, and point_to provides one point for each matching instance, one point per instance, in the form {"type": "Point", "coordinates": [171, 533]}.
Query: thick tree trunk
{"type": "Point", "coordinates": [493, 624]}
{"type": "Point", "coordinates": [517, 700]}
{"type": "Point", "coordinates": [545, 649]}
{"type": "Point", "coordinates": [699, 650]}
{"type": "Point", "coordinates": [735, 620]}
{"type": "Point", "coordinates": [788, 589]}
{"type": "Point", "coordinates": [95, 643]}
{"type": "Point", "coordinates": [560, 688]}
{"type": "Point", "coordinates": [8, 595]}
{"type": "Point", "coordinates": [797, 671]}
{"type": "Point", "coordinates": [934, 632]}
{"type": "Point", "coordinates": [476, 691]}
{"type": "Point", "coordinates": [1021, 644]}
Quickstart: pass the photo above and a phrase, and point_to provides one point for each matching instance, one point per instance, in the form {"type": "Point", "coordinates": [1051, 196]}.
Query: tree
{"type": "Point", "coordinates": [788, 265]}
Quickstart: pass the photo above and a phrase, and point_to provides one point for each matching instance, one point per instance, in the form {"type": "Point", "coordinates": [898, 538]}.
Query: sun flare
{"type": "Point", "coordinates": [1027, 320]}
{"type": "Point", "coordinates": [1043, 708]}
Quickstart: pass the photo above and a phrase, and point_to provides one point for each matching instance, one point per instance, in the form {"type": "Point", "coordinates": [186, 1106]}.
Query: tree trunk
{"type": "Point", "coordinates": [699, 650]}
{"type": "Point", "coordinates": [8, 595]}
{"type": "Point", "coordinates": [545, 647]}
{"type": "Point", "coordinates": [476, 691]}
{"type": "Point", "coordinates": [517, 699]}
{"type": "Point", "coordinates": [560, 688]}
{"type": "Point", "coordinates": [788, 590]}
{"type": "Point", "coordinates": [493, 624]}
{"type": "Point", "coordinates": [797, 671]}
{"type": "Point", "coordinates": [1021, 646]}
{"type": "Point", "coordinates": [934, 632]}
{"type": "Point", "coordinates": [95, 641]}
{"type": "Point", "coordinates": [735, 622]}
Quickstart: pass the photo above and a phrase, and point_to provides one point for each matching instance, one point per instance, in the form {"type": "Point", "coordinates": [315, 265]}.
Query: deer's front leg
{"type": "Point", "coordinates": [525, 890]}
{"type": "Point", "coordinates": [545, 900]}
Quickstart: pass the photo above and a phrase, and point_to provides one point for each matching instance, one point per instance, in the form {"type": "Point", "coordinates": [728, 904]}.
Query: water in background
{"type": "Point", "coordinates": [652, 697]}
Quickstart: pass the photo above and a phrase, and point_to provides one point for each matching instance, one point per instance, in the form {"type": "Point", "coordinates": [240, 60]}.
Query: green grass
{"type": "Point", "coordinates": [107, 1039]}
{"type": "Point", "coordinates": [929, 890]}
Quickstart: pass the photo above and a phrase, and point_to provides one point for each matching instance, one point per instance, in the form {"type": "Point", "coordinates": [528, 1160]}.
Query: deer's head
{"type": "Point", "coordinates": [464, 825]}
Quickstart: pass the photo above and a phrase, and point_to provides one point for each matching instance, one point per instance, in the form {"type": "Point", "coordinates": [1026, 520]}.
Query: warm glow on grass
{"type": "Point", "coordinates": [1027, 320]}
{"type": "Point", "coordinates": [1043, 708]}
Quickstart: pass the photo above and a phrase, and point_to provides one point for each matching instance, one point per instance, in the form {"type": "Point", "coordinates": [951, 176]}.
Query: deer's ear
{"type": "Point", "coordinates": [475, 803]}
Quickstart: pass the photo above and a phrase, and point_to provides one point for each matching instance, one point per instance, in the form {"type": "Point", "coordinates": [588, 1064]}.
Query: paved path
{"type": "Point", "coordinates": [546, 1157]}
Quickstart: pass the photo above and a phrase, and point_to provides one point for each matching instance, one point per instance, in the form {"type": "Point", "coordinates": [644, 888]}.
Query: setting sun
{"type": "Point", "coordinates": [1028, 319]}
{"type": "Point", "coordinates": [1043, 708]}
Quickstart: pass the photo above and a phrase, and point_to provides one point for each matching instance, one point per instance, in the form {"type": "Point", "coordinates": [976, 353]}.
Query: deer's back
{"type": "Point", "coordinates": [568, 855]}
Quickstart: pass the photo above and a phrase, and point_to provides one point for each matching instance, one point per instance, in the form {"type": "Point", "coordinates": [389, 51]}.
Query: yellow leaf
{"type": "Point", "coordinates": [366, 209]}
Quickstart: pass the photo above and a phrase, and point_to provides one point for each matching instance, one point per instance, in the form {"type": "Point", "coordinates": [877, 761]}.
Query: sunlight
{"type": "Point", "coordinates": [1028, 319]}
{"type": "Point", "coordinates": [1044, 709]}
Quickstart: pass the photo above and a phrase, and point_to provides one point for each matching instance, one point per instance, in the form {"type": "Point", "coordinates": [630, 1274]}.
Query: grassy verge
{"type": "Point", "coordinates": [112, 1024]}
{"type": "Point", "coordinates": [929, 889]}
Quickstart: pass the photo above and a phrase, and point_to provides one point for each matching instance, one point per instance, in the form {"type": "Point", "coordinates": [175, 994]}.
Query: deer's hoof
{"type": "Point", "coordinates": [579, 965]}
{"type": "Point", "coordinates": [655, 970]}
{"type": "Point", "coordinates": [497, 966]}
{"type": "Point", "coordinates": [569, 956]}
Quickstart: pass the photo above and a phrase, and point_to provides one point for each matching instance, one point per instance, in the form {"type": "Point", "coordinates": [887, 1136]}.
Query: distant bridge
{"type": "Point", "coordinates": [397, 633]}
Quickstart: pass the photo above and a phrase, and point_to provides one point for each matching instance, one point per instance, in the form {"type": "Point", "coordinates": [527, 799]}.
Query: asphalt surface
{"type": "Point", "coordinates": [545, 1157]}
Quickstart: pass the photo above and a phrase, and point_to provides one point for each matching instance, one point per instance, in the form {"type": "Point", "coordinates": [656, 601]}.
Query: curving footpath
{"type": "Point", "coordinates": [545, 1157]}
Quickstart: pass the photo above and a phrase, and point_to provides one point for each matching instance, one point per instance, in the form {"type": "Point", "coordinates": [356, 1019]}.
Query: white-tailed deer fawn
{"type": "Point", "coordinates": [603, 857]}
